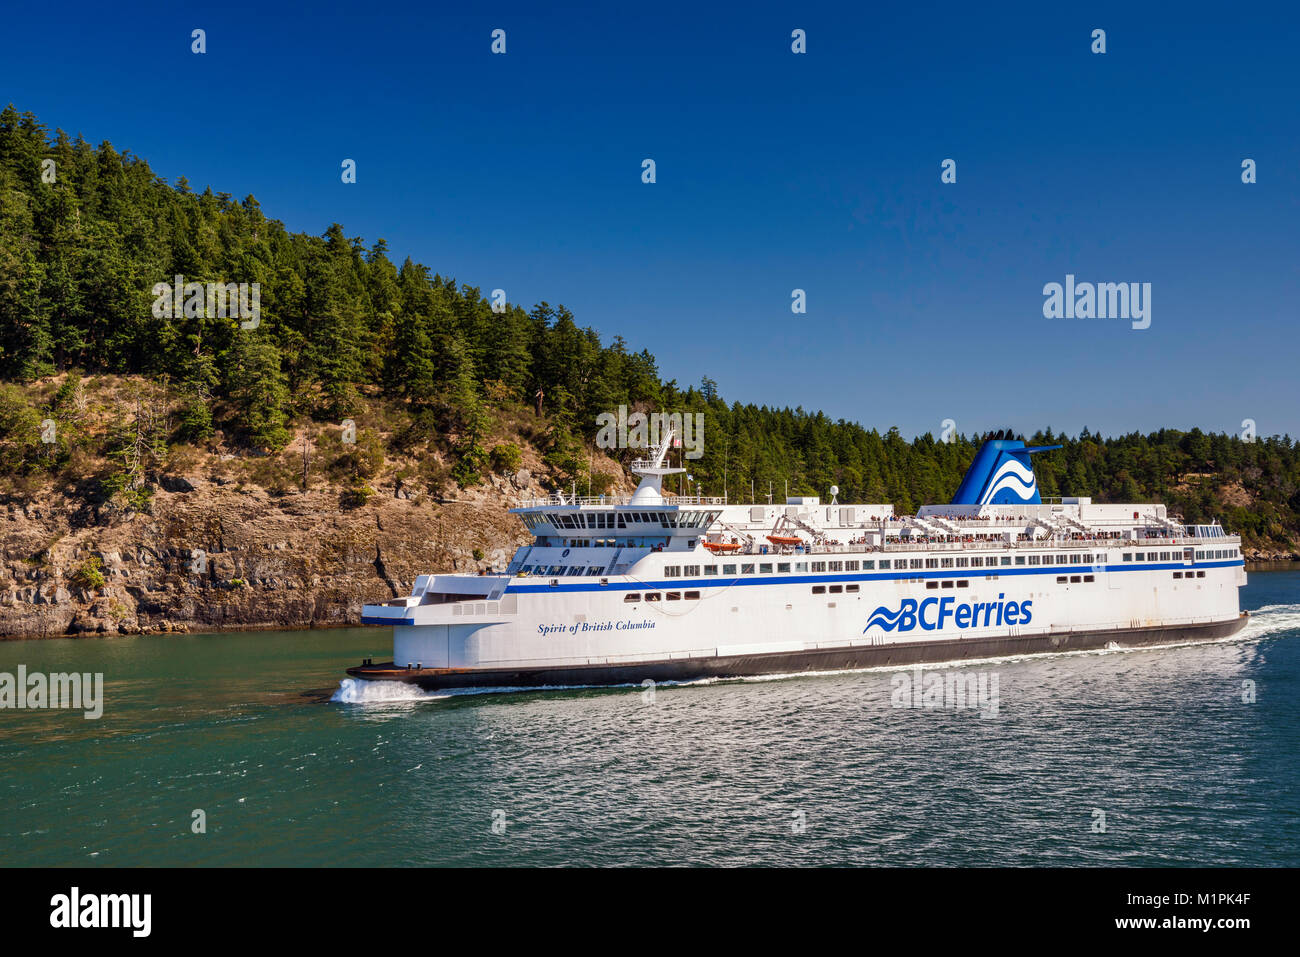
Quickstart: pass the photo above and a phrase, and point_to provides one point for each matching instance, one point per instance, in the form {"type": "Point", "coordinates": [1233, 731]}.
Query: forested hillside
{"type": "Point", "coordinates": [444, 390]}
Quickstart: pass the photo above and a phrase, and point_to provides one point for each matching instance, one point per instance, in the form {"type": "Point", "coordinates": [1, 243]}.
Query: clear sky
{"type": "Point", "coordinates": [775, 171]}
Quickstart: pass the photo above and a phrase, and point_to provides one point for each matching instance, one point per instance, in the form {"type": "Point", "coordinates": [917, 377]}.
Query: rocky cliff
{"type": "Point", "coordinates": [212, 556]}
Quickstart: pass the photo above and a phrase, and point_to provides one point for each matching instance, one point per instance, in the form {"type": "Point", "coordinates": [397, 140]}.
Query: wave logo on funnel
{"type": "Point", "coordinates": [1014, 478]}
{"type": "Point", "coordinates": [1001, 474]}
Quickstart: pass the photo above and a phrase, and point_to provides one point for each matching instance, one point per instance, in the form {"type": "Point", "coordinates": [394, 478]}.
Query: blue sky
{"type": "Point", "coordinates": [775, 171]}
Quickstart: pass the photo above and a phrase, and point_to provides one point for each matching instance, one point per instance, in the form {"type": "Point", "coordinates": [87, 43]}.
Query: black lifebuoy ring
{"type": "Point", "coordinates": [565, 553]}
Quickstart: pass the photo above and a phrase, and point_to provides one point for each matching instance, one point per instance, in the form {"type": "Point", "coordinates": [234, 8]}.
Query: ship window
{"type": "Point", "coordinates": [837, 566]}
{"type": "Point", "coordinates": [1006, 559]}
{"type": "Point", "coordinates": [765, 568]}
{"type": "Point", "coordinates": [850, 588]}
{"type": "Point", "coordinates": [577, 570]}
{"type": "Point", "coordinates": [674, 596]}
{"type": "Point", "coordinates": [947, 584]}
{"type": "Point", "coordinates": [884, 563]}
{"type": "Point", "coordinates": [819, 566]}
{"type": "Point", "coordinates": [710, 569]}
{"type": "Point", "coordinates": [692, 596]}
{"type": "Point", "coordinates": [672, 571]}
{"type": "Point", "coordinates": [691, 571]}
{"type": "Point", "coordinates": [932, 563]}
{"type": "Point", "coordinates": [632, 596]}
{"type": "Point", "coordinates": [1178, 574]}
{"type": "Point", "coordinates": [1087, 578]}
{"type": "Point", "coordinates": [1128, 556]}
{"type": "Point", "coordinates": [1035, 559]}
{"type": "Point", "coordinates": [783, 566]}
{"type": "Point", "coordinates": [1200, 574]}
{"type": "Point", "coordinates": [728, 569]}
{"type": "Point", "coordinates": [850, 566]}
{"type": "Point", "coordinates": [963, 563]}
{"type": "Point", "coordinates": [1140, 557]}
{"type": "Point", "coordinates": [557, 570]}
{"type": "Point", "coordinates": [1020, 559]}
{"type": "Point", "coordinates": [836, 589]}
{"type": "Point", "coordinates": [1047, 559]}
{"type": "Point", "coordinates": [1075, 579]}
{"type": "Point", "coordinates": [595, 570]}
{"type": "Point", "coordinates": [868, 565]}
{"type": "Point", "coordinates": [977, 562]}
{"type": "Point", "coordinates": [1062, 579]}
{"type": "Point", "coordinates": [1063, 559]}
{"type": "Point", "coordinates": [528, 569]}
{"type": "Point", "coordinates": [915, 562]}
{"type": "Point", "coordinates": [819, 589]}
{"type": "Point", "coordinates": [931, 584]}
{"type": "Point", "coordinates": [963, 584]}
{"type": "Point", "coordinates": [747, 568]}
{"type": "Point", "coordinates": [945, 563]}
{"type": "Point", "coordinates": [652, 596]}
{"type": "Point", "coordinates": [801, 566]}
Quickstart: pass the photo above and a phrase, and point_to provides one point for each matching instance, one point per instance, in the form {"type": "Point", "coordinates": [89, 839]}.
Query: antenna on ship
{"type": "Point", "coordinates": [652, 472]}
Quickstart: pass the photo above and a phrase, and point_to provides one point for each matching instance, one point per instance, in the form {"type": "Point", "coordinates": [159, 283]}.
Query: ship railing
{"type": "Point", "coordinates": [1066, 543]}
{"type": "Point", "coordinates": [612, 500]}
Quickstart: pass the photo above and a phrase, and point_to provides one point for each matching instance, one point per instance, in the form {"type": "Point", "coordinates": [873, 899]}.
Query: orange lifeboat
{"type": "Point", "coordinates": [722, 546]}
{"type": "Point", "coordinates": [785, 539]}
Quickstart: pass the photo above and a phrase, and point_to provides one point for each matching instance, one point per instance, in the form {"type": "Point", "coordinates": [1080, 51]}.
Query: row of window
{"type": "Point", "coordinates": [560, 571]}
{"type": "Point", "coordinates": [852, 589]}
{"type": "Point", "coordinates": [885, 564]}
{"type": "Point", "coordinates": [635, 596]}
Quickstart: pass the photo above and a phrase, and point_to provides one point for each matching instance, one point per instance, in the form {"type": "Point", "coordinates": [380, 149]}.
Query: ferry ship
{"type": "Point", "coordinates": [655, 586]}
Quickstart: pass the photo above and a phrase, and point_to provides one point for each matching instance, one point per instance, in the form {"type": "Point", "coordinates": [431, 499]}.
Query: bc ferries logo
{"type": "Point", "coordinates": [935, 614]}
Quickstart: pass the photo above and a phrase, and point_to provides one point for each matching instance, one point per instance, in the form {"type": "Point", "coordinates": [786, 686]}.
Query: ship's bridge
{"type": "Point", "coordinates": [616, 520]}
{"type": "Point", "coordinates": [645, 519]}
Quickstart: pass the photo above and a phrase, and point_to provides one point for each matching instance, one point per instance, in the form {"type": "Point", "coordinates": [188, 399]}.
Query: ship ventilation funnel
{"type": "Point", "coordinates": [1001, 474]}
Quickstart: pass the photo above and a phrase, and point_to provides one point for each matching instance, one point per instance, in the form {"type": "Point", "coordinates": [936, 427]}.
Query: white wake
{"type": "Point", "coordinates": [1272, 619]}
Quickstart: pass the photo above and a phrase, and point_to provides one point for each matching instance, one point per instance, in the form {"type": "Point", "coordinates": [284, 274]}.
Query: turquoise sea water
{"type": "Point", "coordinates": [788, 771]}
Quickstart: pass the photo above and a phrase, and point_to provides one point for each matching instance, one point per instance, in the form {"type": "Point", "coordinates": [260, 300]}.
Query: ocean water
{"type": "Point", "coordinates": [1154, 757]}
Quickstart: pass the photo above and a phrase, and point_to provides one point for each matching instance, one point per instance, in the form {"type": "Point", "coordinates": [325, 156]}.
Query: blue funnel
{"type": "Point", "coordinates": [1001, 475]}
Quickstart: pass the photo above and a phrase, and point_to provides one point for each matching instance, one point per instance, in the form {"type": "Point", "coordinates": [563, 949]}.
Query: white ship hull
{"type": "Point", "coordinates": [587, 633]}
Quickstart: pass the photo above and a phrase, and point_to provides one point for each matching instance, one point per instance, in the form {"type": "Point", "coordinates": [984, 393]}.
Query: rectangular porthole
{"type": "Point", "coordinates": [632, 596]}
